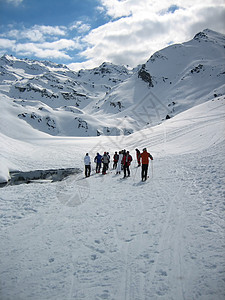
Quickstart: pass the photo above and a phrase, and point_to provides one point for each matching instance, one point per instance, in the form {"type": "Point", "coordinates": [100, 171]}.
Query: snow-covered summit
{"type": "Point", "coordinates": [210, 36]}
{"type": "Point", "coordinates": [108, 71]}
{"type": "Point", "coordinates": [30, 66]}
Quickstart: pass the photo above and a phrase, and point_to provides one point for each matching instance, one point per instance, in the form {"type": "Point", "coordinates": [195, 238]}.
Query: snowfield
{"type": "Point", "coordinates": [110, 238]}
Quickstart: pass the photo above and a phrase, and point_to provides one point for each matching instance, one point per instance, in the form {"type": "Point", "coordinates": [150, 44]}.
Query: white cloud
{"type": "Point", "coordinates": [80, 27]}
{"type": "Point", "coordinates": [116, 9]}
{"type": "Point", "coordinates": [37, 33]}
{"type": "Point", "coordinates": [32, 35]}
{"type": "Point", "coordinates": [35, 44]}
{"type": "Point", "coordinates": [146, 26]}
{"type": "Point", "coordinates": [6, 43]}
{"type": "Point", "coordinates": [51, 30]}
{"type": "Point", "coordinates": [40, 51]}
{"type": "Point", "coordinates": [14, 2]}
{"type": "Point", "coordinates": [48, 50]}
{"type": "Point", "coordinates": [61, 44]}
{"type": "Point", "coordinates": [41, 41]}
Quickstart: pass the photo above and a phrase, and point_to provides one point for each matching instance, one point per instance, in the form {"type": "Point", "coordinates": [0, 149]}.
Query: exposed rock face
{"type": "Point", "coordinates": [145, 76]}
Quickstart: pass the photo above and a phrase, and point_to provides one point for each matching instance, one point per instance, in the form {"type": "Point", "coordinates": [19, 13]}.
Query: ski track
{"type": "Point", "coordinates": [167, 243]}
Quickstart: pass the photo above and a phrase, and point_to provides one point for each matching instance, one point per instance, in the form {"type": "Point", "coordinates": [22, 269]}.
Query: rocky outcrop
{"type": "Point", "coordinates": [145, 76]}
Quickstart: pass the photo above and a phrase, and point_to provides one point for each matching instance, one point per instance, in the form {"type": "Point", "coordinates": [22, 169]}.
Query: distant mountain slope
{"type": "Point", "coordinates": [172, 80]}
{"type": "Point", "coordinates": [55, 100]}
{"type": "Point", "coordinates": [110, 99]}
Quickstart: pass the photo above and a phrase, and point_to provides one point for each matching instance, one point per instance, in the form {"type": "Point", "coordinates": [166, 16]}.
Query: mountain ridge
{"type": "Point", "coordinates": [111, 99]}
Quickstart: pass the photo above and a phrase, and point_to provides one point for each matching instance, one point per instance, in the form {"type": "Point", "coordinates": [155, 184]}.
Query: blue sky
{"type": "Point", "coordinates": [49, 12]}
{"type": "Point", "coordinates": [85, 33]}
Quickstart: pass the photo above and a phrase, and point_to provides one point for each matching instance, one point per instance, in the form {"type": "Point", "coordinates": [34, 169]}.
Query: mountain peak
{"type": "Point", "coordinates": [210, 35]}
{"type": "Point", "coordinates": [107, 67]}
{"type": "Point", "coordinates": [201, 35]}
{"type": "Point", "coordinates": [7, 58]}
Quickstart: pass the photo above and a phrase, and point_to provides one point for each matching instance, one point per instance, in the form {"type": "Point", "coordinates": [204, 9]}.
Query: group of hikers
{"type": "Point", "coordinates": [121, 161]}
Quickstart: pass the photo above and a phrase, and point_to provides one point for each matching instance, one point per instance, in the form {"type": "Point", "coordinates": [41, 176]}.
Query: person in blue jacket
{"type": "Point", "coordinates": [98, 161]}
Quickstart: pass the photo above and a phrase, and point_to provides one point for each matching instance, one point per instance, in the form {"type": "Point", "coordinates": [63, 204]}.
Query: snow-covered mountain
{"type": "Point", "coordinates": [172, 80]}
{"type": "Point", "coordinates": [110, 99]}
{"type": "Point", "coordinates": [54, 99]}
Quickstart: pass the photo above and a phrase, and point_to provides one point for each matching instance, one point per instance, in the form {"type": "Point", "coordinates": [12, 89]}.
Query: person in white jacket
{"type": "Point", "coordinates": [87, 163]}
{"type": "Point", "coordinates": [118, 169]}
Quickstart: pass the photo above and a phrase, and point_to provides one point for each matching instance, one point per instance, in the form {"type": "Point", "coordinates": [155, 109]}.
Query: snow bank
{"type": "Point", "coordinates": [4, 171]}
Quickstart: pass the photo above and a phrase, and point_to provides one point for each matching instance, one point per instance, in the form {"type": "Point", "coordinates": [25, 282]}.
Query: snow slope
{"type": "Point", "coordinates": [110, 238]}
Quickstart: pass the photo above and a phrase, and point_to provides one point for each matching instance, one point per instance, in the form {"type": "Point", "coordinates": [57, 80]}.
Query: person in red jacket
{"type": "Point", "coordinates": [145, 161]}
{"type": "Point", "coordinates": [126, 161]}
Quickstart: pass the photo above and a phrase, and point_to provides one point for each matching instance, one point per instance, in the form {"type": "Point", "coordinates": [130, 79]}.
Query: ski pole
{"type": "Point", "coordinates": [152, 167]}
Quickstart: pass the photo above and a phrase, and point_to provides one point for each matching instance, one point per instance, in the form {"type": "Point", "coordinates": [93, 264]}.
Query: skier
{"type": "Point", "coordinates": [105, 161]}
{"type": "Point", "coordinates": [145, 161]}
{"type": "Point", "coordinates": [98, 161]}
{"type": "Point", "coordinates": [107, 167]}
{"type": "Point", "coordinates": [115, 160]}
{"type": "Point", "coordinates": [87, 163]}
{"type": "Point", "coordinates": [138, 154]}
{"type": "Point", "coordinates": [119, 164]}
{"type": "Point", "coordinates": [127, 159]}
{"type": "Point", "coordinates": [123, 153]}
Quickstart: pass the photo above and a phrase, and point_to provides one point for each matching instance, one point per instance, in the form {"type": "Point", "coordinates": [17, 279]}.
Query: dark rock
{"type": "Point", "coordinates": [145, 76]}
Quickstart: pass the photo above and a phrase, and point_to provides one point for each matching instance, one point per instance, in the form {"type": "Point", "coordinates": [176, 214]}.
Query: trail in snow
{"type": "Point", "coordinates": [106, 238]}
